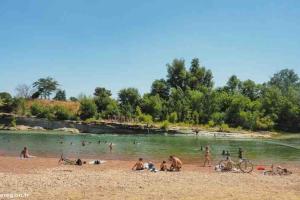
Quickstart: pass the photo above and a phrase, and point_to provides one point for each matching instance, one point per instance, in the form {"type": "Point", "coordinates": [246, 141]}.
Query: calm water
{"type": "Point", "coordinates": [154, 147]}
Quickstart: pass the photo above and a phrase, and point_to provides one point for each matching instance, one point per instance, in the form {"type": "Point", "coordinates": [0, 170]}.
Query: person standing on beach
{"type": "Point", "coordinates": [110, 147]}
{"type": "Point", "coordinates": [207, 158]}
{"type": "Point", "coordinates": [240, 153]}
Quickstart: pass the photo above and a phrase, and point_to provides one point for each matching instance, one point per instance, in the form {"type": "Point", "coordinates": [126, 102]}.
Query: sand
{"type": "Point", "coordinates": [43, 178]}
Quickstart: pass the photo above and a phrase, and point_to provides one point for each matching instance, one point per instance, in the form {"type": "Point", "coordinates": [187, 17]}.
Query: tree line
{"type": "Point", "coordinates": [187, 95]}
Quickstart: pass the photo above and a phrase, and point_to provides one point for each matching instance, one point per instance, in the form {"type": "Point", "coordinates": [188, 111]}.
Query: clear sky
{"type": "Point", "coordinates": [127, 43]}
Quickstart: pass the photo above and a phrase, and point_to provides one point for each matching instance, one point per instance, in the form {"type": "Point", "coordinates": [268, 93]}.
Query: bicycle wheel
{"type": "Point", "coordinates": [246, 166]}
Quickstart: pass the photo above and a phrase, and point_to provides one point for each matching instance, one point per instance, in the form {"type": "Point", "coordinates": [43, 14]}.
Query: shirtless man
{"type": "Point", "coordinates": [176, 163]}
{"type": "Point", "coordinates": [25, 153]}
{"type": "Point", "coordinates": [139, 165]}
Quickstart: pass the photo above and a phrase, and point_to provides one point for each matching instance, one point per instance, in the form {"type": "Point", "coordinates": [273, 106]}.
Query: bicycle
{"type": "Point", "coordinates": [244, 165]}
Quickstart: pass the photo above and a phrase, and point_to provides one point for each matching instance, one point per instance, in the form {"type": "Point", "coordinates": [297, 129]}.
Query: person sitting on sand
{"type": "Point", "coordinates": [70, 162]}
{"type": "Point", "coordinates": [25, 153]}
{"type": "Point", "coordinates": [229, 164]}
{"type": "Point", "coordinates": [139, 165]}
{"type": "Point", "coordinates": [207, 157]}
{"type": "Point", "coordinates": [163, 166]}
{"type": "Point", "coordinates": [176, 164]}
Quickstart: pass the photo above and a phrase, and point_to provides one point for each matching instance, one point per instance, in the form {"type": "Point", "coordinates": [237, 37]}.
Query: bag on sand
{"type": "Point", "coordinates": [79, 162]}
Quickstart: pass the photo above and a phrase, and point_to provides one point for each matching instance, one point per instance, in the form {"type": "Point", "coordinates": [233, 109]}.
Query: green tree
{"type": "Point", "coordinates": [45, 86]}
{"type": "Point", "coordinates": [233, 84]}
{"type": "Point", "coordinates": [199, 77]}
{"type": "Point", "coordinates": [6, 102]}
{"type": "Point", "coordinates": [88, 108]}
{"type": "Point", "coordinates": [177, 74]}
{"type": "Point", "coordinates": [112, 109]}
{"type": "Point", "coordinates": [129, 99]}
{"type": "Point", "coordinates": [74, 99]}
{"type": "Point", "coordinates": [60, 95]}
{"type": "Point", "coordinates": [284, 79]}
{"type": "Point", "coordinates": [250, 89]}
{"type": "Point", "coordinates": [102, 99]}
{"type": "Point", "coordinates": [179, 103]}
{"type": "Point", "coordinates": [161, 88]}
{"type": "Point", "coordinates": [152, 105]}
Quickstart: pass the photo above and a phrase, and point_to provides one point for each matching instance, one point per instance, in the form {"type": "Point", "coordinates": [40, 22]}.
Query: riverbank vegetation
{"type": "Point", "coordinates": [186, 96]}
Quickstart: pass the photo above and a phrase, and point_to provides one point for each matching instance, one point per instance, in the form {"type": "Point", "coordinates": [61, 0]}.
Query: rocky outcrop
{"type": "Point", "coordinates": [75, 126]}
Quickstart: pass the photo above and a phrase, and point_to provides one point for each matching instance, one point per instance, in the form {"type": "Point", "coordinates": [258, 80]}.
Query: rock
{"type": "Point", "coordinates": [23, 128]}
{"type": "Point", "coordinates": [38, 128]}
{"type": "Point", "coordinates": [71, 130]}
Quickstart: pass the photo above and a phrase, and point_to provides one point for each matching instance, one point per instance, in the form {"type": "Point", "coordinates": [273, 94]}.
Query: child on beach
{"type": "Point", "coordinates": [139, 165]}
{"type": "Point", "coordinates": [163, 166]}
{"type": "Point", "coordinates": [207, 157]}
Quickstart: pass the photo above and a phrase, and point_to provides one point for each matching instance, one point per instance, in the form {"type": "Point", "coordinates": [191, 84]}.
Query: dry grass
{"type": "Point", "coordinates": [73, 107]}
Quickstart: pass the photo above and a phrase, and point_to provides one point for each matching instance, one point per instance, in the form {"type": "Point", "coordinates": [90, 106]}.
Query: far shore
{"type": "Point", "coordinates": [44, 178]}
{"type": "Point", "coordinates": [186, 131]}
{"type": "Point", "coordinates": [106, 126]}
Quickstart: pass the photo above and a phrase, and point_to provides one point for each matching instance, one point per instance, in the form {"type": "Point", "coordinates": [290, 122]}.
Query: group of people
{"type": "Point", "coordinates": [176, 165]}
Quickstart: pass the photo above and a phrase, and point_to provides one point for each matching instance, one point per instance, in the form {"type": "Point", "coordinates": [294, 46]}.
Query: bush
{"type": "Point", "coordinates": [218, 118]}
{"type": "Point", "coordinates": [13, 122]}
{"type": "Point", "coordinates": [61, 113]}
{"type": "Point", "coordinates": [224, 128]}
{"type": "Point", "coordinates": [6, 102]}
{"type": "Point", "coordinates": [165, 125]}
{"type": "Point", "coordinates": [88, 108]}
{"type": "Point", "coordinates": [145, 118]}
{"type": "Point", "coordinates": [40, 111]}
{"type": "Point", "coordinates": [264, 123]}
{"type": "Point", "coordinates": [211, 123]}
{"type": "Point", "coordinates": [173, 117]}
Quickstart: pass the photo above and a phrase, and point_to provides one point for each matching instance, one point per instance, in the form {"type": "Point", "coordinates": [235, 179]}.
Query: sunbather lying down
{"type": "Point", "coordinates": [278, 171]}
{"type": "Point", "coordinates": [70, 162]}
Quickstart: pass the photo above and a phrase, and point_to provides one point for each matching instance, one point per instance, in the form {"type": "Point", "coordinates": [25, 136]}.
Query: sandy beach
{"type": "Point", "coordinates": [44, 178]}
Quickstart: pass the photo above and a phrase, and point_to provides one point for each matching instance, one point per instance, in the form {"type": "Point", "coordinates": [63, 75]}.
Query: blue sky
{"type": "Point", "coordinates": [118, 44]}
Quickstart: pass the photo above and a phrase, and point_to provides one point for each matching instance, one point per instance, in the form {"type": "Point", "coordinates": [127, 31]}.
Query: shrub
{"type": "Point", "coordinates": [165, 125]}
{"type": "Point", "coordinates": [13, 122]}
{"type": "Point", "coordinates": [39, 111]}
{"type": "Point", "coordinates": [224, 128]}
{"type": "Point", "coordinates": [173, 117]}
{"type": "Point", "coordinates": [264, 123]}
{"type": "Point", "coordinates": [218, 118]}
{"type": "Point", "coordinates": [87, 109]}
{"type": "Point", "coordinates": [211, 123]}
{"type": "Point", "coordinates": [145, 118]}
{"type": "Point", "coordinates": [61, 113]}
